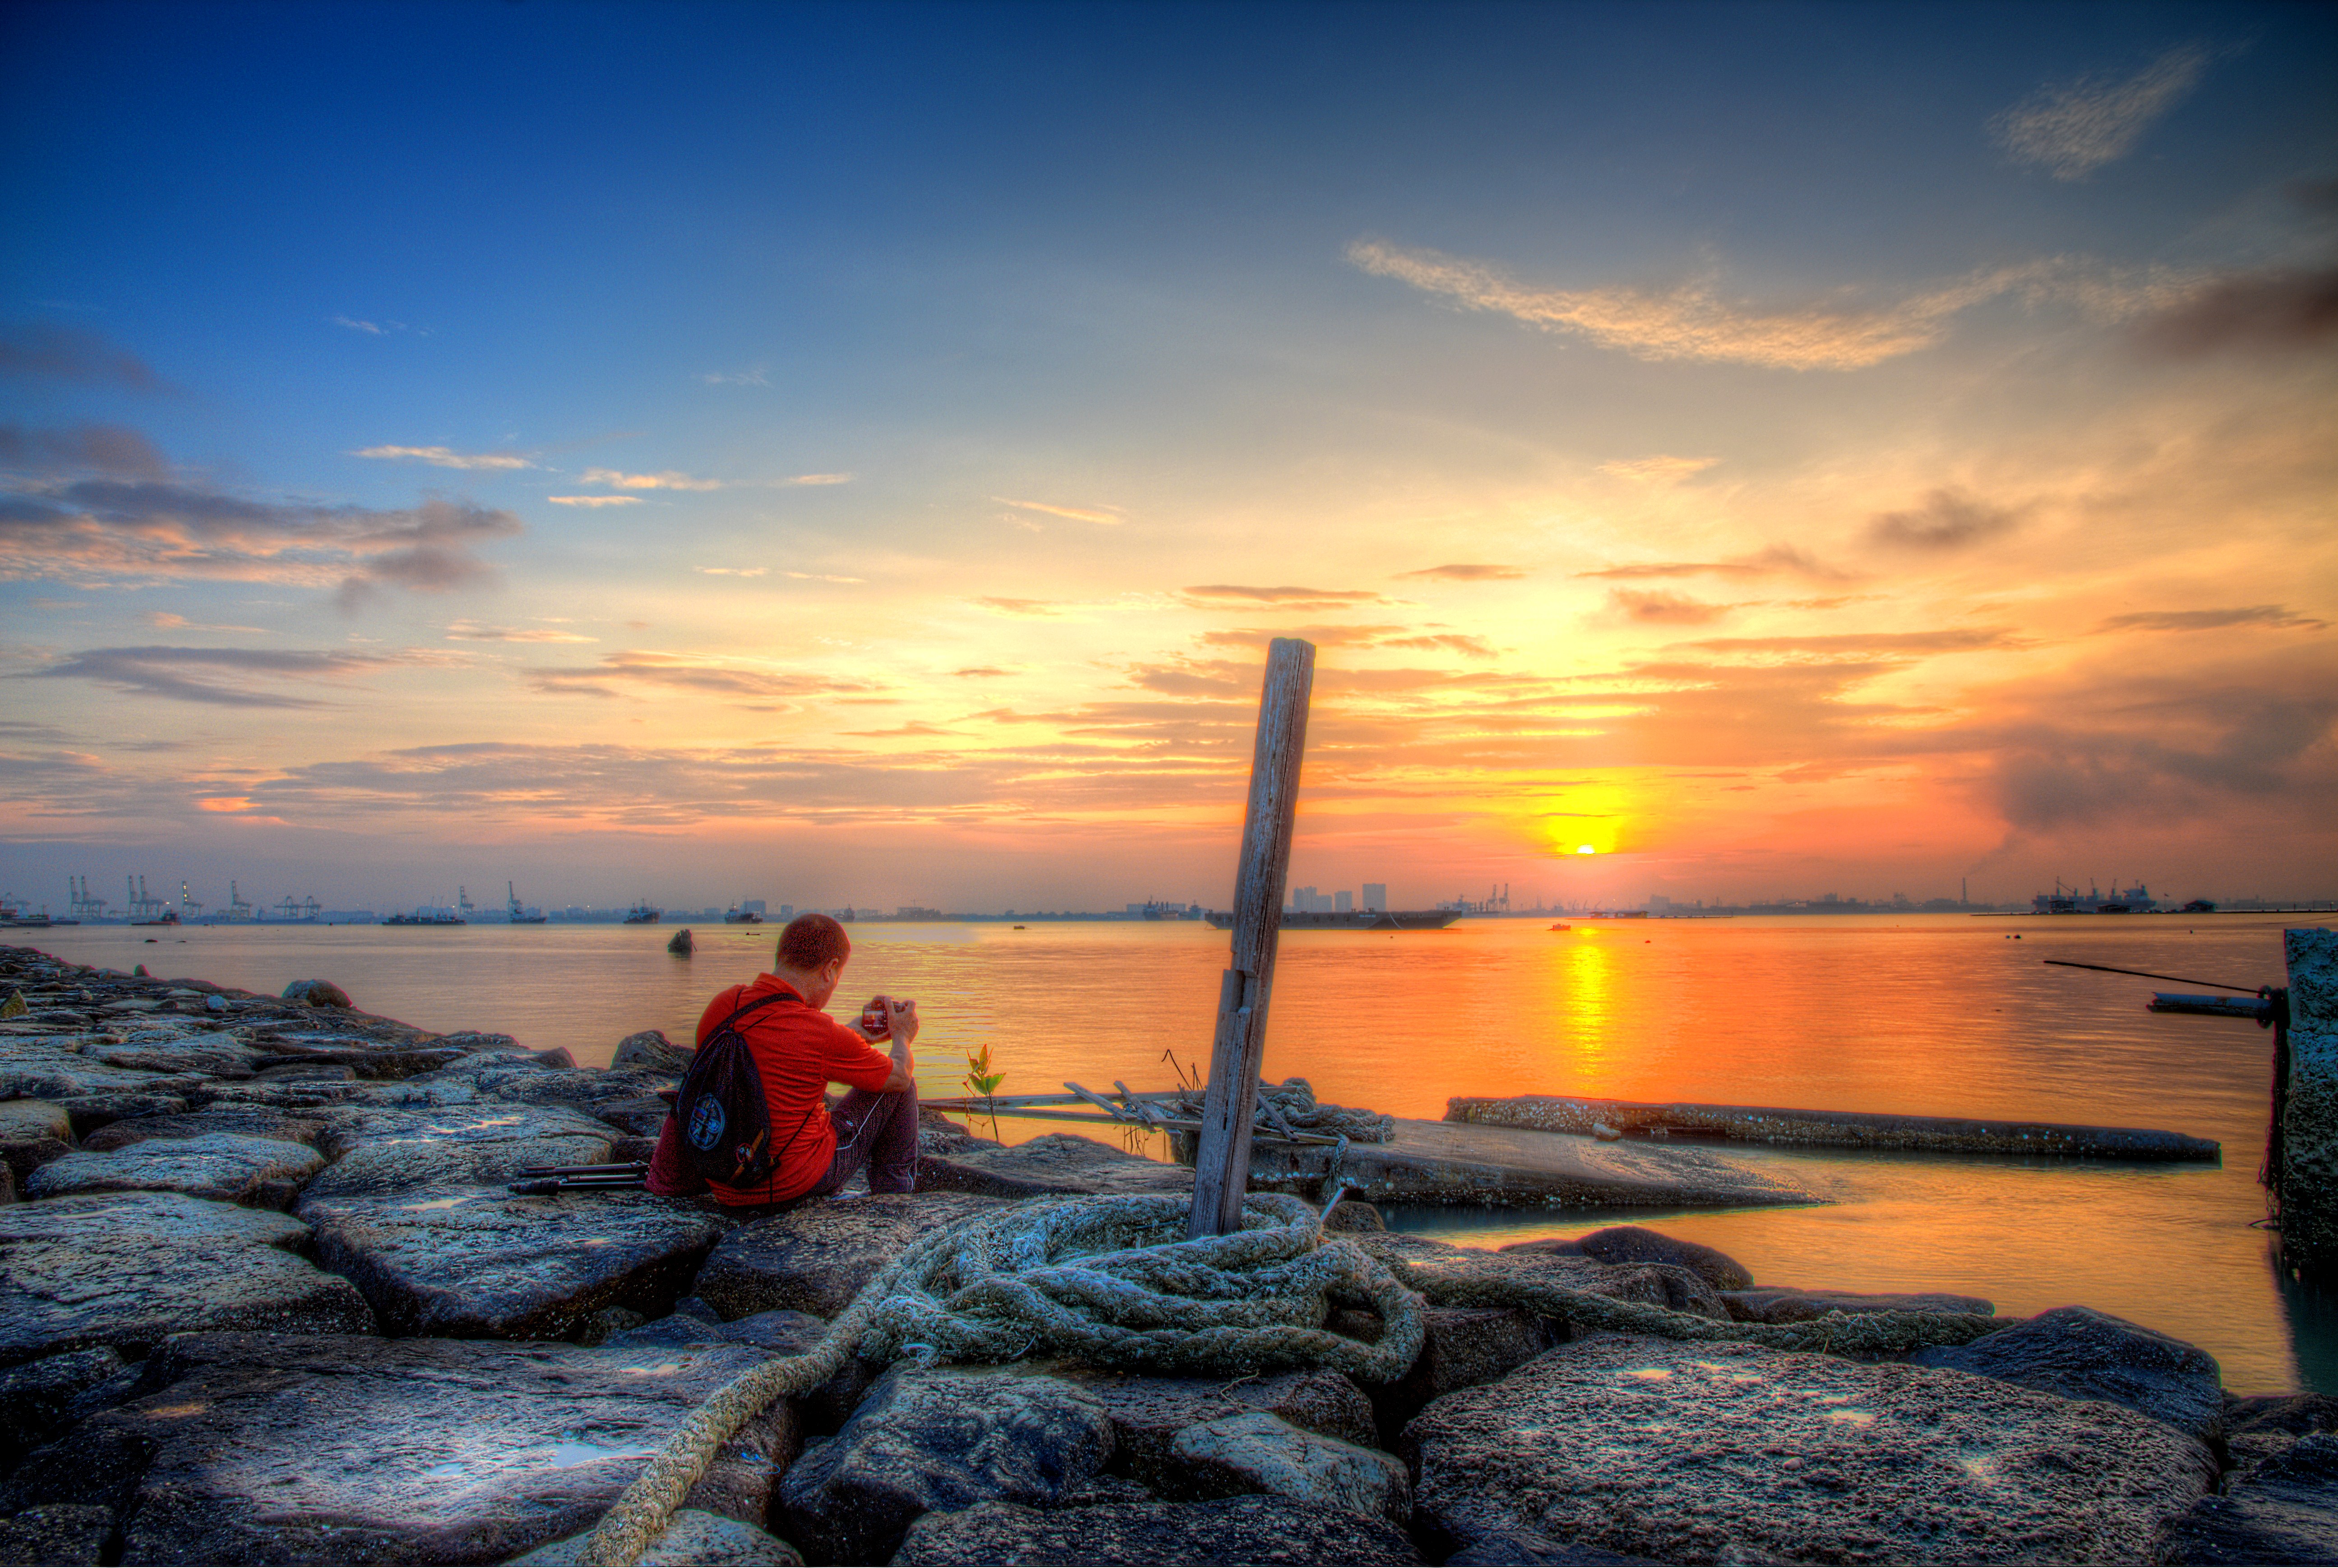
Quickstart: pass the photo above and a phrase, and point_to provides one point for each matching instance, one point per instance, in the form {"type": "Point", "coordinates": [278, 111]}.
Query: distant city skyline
{"type": "Point", "coordinates": [861, 453]}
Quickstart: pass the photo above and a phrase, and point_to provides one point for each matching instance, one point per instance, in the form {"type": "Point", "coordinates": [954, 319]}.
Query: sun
{"type": "Point", "coordinates": [1585, 849]}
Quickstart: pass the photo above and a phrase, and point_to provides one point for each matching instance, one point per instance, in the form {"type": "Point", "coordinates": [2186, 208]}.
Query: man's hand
{"type": "Point", "coordinates": [901, 1023]}
{"type": "Point", "coordinates": [876, 1020]}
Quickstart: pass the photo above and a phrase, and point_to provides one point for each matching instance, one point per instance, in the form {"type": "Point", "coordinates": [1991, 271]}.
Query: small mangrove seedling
{"type": "Point", "coordinates": [980, 1080]}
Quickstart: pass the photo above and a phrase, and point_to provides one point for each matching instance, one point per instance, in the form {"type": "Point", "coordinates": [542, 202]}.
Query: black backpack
{"type": "Point", "coordinates": [721, 1112]}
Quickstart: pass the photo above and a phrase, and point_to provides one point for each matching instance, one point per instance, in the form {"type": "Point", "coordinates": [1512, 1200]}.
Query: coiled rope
{"type": "Point", "coordinates": [1112, 1281]}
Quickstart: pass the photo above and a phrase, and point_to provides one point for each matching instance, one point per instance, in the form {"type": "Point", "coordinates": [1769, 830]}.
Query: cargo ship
{"type": "Point", "coordinates": [1351, 919]}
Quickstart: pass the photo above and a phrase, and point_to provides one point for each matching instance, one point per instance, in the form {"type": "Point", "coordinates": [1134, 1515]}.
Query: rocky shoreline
{"type": "Point", "coordinates": [264, 1298]}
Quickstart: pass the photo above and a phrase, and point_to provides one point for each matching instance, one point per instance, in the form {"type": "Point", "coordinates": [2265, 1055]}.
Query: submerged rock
{"type": "Point", "coordinates": [471, 1261]}
{"type": "Point", "coordinates": [926, 1440]}
{"type": "Point", "coordinates": [276, 1448]}
{"type": "Point", "coordinates": [2082, 1354]}
{"type": "Point", "coordinates": [1232, 1530]}
{"type": "Point", "coordinates": [1732, 1451]}
{"type": "Point", "coordinates": [262, 1172]}
{"type": "Point", "coordinates": [816, 1257]}
{"type": "Point", "coordinates": [132, 1269]}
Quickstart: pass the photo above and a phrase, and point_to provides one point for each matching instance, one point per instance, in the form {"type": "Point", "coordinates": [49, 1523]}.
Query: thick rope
{"type": "Point", "coordinates": [1111, 1281]}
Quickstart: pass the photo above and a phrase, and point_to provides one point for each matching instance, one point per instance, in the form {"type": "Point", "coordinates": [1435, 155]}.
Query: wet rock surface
{"type": "Point", "coordinates": [132, 1269]}
{"type": "Point", "coordinates": [38, 1397]}
{"type": "Point", "coordinates": [1464, 1346]}
{"type": "Point", "coordinates": [1731, 1452]}
{"type": "Point", "coordinates": [32, 1134]}
{"type": "Point", "coordinates": [481, 1261]}
{"type": "Point", "coordinates": [940, 1440]}
{"type": "Point", "coordinates": [286, 1448]}
{"type": "Point", "coordinates": [815, 1257]}
{"type": "Point", "coordinates": [1264, 1452]}
{"type": "Point", "coordinates": [1234, 1529]}
{"type": "Point", "coordinates": [2082, 1354]}
{"type": "Point", "coordinates": [1055, 1166]}
{"type": "Point", "coordinates": [230, 1166]}
{"type": "Point", "coordinates": [245, 1120]}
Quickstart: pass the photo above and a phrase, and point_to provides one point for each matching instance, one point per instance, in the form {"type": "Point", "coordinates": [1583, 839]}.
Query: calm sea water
{"type": "Point", "coordinates": [1944, 1015]}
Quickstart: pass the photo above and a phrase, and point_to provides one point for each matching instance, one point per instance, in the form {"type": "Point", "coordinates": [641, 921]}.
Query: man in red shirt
{"type": "Point", "coordinates": [799, 1050]}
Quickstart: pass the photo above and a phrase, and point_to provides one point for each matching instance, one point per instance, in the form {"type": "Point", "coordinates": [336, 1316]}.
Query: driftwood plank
{"type": "Point", "coordinates": [1222, 1163]}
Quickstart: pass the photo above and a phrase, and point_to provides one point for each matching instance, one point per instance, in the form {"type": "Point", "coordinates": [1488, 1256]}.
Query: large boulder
{"type": "Point", "coordinates": [32, 1134]}
{"type": "Point", "coordinates": [250, 1120]}
{"type": "Point", "coordinates": [316, 993]}
{"type": "Point", "coordinates": [1462, 1347]}
{"type": "Point", "coordinates": [1264, 1452]}
{"type": "Point", "coordinates": [1148, 1413]}
{"type": "Point", "coordinates": [227, 1166]}
{"type": "Point", "coordinates": [693, 1538]}
{"type": "Point", "coordinates": [2285, 1510]}
{"type": "Point", "coordinates": [653, 1051]}
{"type": "Point", "coordinates": [815, 1257]}
{"type": "Point", "coordinates": [2082, 1354]}
{"type": "Point", "coordinates": [1620, 1244]}
{"type": "Point", "coordinates": [1786, 1304]}
{"type": "Point", "coordinates": [926, 1440]}
{"type": "Point", "coordinates": [380, 1152]}
{"type": "Point", "coordinates": [1730, 1452]}
{"type": "Point", "coordinates": [269, 1448]}
{"type": "Point", "coordinates": [471, 1261]}
{"type": "Point", "coordinates": [132, 1269]}
{"type": "Point", "coordinates": [1232, 1530]}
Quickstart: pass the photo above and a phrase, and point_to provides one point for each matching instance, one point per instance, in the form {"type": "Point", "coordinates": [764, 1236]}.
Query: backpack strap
{"type": "Point", "coordinates": [749, 1007]}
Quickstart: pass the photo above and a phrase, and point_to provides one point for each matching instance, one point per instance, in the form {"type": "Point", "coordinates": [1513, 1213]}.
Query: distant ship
{"type": "Point", "coordinates": [1351, 919]}
{"type": "Point", "coordinates": [738, 916]}
{"type": "Point", "coordinates": [419, 918]}
{"type": "Point", "coordinates": [641, 914]}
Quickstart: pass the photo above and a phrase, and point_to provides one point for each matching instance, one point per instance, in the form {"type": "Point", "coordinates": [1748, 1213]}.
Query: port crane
{"type": "Point", "coordinates": [85, 905]}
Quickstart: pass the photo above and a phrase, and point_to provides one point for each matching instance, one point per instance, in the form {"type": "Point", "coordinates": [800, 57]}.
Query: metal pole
{"type": "Point", "coordinates": [1221, 1157]}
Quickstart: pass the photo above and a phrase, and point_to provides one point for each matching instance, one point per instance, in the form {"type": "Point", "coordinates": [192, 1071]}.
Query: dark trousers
{"type": "Point", "coordinates": [875, 1132]}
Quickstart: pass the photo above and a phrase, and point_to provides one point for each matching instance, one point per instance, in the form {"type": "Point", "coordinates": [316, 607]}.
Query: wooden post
{"type": "Point", "coordinates": [1222, 1158]}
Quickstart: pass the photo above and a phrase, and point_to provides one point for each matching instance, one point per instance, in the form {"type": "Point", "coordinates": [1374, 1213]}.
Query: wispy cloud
{"type": "Point", "coordinates": [1775, 560]}
{"type": "Point", "coordinates": [1077, 514]}
{"type": "Point", "coordinates": [1022, 609]}
{"type": "Point", "coordinates": [1869, 644]}
{"type": "Point", "coordinates": [2278, 617]}
{"type": "Point", "coordinates": [115, 449]}
{"type": "Point", "coordinates": [1948, 519]}
{"type": "Point", "coordinates": [818, 479]}
{"type": "Point", "coordinates": [96, 531]}
{"type": "Point", "coordinates": [475, 631]}
{"type": "Point", "coordinates": [446, 457]}
{"type": "Point", "coordinates": [757, 376]}
{"type": "Point", "coordinates": [1694, 322]}
{"type": "Point", "coordinates": [1662, 606]}
{"type": "Point", "coordinates": [983, 672]}
{"type": "Point", "coordinates": [1468, 572]}
{"type": "Point", "coordinates": [821, 577]}
{"type": "Point", "coordinates": [374, 328]}
{"type": "Point", "coordinates": [201, 674]}
{"type": "Point", "coordinates": [67, 354]}
{"type": "Point", "coordinates": [2075, 128]}
{"type": "Point", "coordinates": [1232, 595]}
{"type": "Point", "coordinates": [1660, 469]}
{"type": "Point", "coordinates": [594, 500]}
{"type": "Point", "coordinates": [738, 571]}
{"type": "Point", "coordinates": [164, 621]}
{"type": "Point", "coordinates": [666, 481]}
{"type": "Point", "coordinates": [688, 673]}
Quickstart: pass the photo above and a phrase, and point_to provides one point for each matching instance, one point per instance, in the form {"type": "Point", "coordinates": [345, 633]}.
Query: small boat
{"type": "Point", "coordinates": [168, 917]}
{"type": "Point", "coordinates": [641, 914]}
{"type": "Point", "coordinates": [1562, 927]}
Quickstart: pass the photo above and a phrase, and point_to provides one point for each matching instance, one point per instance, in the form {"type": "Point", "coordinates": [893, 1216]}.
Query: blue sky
{"type": "Point", "coordinates": [1009, 331]}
